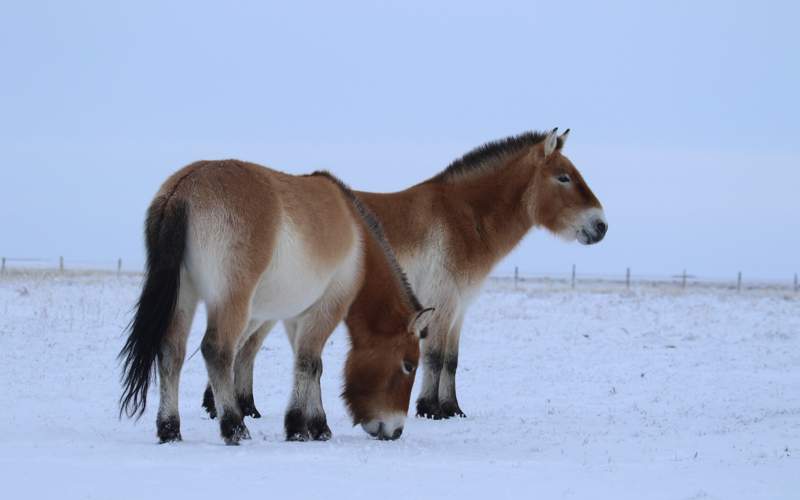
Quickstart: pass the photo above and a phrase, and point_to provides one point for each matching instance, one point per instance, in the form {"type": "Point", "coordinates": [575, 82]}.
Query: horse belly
{"type": "Point", "coordinates": [293, 281]}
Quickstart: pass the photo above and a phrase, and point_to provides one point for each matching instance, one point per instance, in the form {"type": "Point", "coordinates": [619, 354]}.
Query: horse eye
{"type": "Point", "coordinates": [563, 178]}
{"type": "Point", "coordinates": [408, 367]}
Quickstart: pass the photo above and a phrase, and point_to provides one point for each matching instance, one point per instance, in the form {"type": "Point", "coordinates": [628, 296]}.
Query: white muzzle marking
{"type": "Point", "coordinates": [588, 228]}
{"type": "Point", "coordinates": [385, 427]}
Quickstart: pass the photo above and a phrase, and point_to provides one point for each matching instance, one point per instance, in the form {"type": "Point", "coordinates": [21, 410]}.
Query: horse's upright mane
{"type": "Point", "coordinates": [376, 229]}
{"type": "Point", "coordinates": [487, 156]}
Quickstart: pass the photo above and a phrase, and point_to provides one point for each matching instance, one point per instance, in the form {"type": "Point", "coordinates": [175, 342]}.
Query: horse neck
{"type": "Point", "coordinates": [380, 299]}
{"type": "Point", "coordinates": [493, 202]}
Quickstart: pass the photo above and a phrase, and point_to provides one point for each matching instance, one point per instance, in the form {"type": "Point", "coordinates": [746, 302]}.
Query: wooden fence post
{"type": "Point", "coordinates": [61, 264]}
{"type": "Point", "coordinates": [795, 283]}
{"type": "Point", "coordinates": [119, 266]}
{"type": "Point", "coordinates": [573, 275]}
{"type": "Point", "coordinates": [739, 282]}
{"type": "Point", "coordinates": [628, 278]}
{"type": "Point", "coordinates": [683, 282]}
{"type": "Point", "coordinates": [3, 269]}
{"type": "Point", "coordinates": [516, 276]}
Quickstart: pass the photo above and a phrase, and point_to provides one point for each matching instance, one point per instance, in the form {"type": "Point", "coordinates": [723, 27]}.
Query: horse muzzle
{"type": "Point", "coordinates": [385, 429]}
{"type": "Point", "coordinates": [594, 229]}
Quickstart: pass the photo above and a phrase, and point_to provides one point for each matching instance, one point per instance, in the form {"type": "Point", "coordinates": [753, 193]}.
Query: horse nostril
{"type": "Point", "coordinates": [397, 433]}
{"type": "Point", "coordinates": [601, 228]}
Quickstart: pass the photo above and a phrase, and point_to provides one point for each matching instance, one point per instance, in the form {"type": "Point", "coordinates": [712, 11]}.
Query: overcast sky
{"type": "Point", "coordinates": [684, 115]}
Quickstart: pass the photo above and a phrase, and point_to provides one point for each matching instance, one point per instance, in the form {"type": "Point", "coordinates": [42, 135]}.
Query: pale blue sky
{"type": "Point", "coordinates": [684, 114]}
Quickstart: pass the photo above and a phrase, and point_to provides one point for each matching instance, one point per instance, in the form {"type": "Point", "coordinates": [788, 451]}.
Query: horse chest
{"type": "Point", "coordinates": [435, 283]}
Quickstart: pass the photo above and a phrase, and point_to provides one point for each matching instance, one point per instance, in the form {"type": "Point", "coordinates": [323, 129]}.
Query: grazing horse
{"type": "Point", "coordinates": [450, 231]}
{"type": "Point", "coordinates": [258, 246]}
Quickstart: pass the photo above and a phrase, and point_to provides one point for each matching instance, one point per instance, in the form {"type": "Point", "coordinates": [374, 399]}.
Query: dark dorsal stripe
{"type": "Point", "coordinates": [489, 155]}
{"type": "Point", "coordinates": [376, 229]}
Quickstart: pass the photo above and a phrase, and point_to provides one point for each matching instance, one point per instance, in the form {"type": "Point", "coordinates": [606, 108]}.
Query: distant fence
{"type": "Point", "coordinates": [61, 265]}
{"type": "Point", "coordinates": [572, 278]}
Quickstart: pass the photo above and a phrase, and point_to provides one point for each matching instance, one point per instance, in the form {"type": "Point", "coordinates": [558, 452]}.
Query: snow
{"type": "Point", "coordinates": [591, 393]}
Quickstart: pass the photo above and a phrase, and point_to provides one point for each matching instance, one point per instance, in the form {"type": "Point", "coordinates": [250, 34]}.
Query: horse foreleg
{"type": "Point", "coordinates": [448, 402]}
{"type": "Point", "coordinates": [433, 347]}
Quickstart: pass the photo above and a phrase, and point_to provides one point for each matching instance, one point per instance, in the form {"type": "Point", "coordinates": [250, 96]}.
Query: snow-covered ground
{"type": "Point", "coordinates": [602, 393]}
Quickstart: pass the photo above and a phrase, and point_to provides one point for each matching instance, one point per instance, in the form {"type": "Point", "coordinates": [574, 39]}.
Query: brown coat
{"type": "Point", "coordinates": [450, 231]}
{"type": "Point", "coordinates": [258, 246]}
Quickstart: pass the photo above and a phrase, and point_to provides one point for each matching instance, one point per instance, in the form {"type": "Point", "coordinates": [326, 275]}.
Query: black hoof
{"type": "Point", "coordinates": [169, 429]}
{"type": "Point", "coordinates": [295, 425]}
{"type": "Point", "coordinates": [233, 429]}
{"type": "Point", "coordinates": [248, 406]}
{"type": "Point", "coordinates": [298, 436]}
{"type": "Point", "coordinates": [427, 408]}
{"type": "Point", "coordinates": [208, 402]}
{"type": "Point", "coordinates": [318, 429]}
{"type": "Point", "coordinates": [450, 409]}
{"type": "Point", "coordinates": [239, 433]}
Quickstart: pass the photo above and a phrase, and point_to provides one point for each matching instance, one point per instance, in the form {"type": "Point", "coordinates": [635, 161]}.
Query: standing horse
{"type": "Point", "coordinates": [450, 231]}
{"type": "Point", "coordinates": [258, 246]}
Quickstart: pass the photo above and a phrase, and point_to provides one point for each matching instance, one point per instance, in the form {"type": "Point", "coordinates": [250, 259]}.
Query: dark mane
{"type": "Point", "coordinates": [488, 155]}
{"type": "Point", "coordinates": [376, 229]}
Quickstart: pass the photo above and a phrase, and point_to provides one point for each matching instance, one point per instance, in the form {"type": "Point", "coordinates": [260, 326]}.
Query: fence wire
{"type": "Point", "coordinates": [570, 278]}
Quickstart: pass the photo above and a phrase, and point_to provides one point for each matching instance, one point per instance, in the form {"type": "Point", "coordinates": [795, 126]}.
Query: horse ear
{"type": "Point", "coordinates": [562, 139]}
{"type": "Point", "coordinates": [550, 142]}
{"type": "Point", "coordinates": [420, 321]}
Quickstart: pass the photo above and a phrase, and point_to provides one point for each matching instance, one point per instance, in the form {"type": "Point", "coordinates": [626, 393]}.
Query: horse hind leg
{"type": "Point", "coordinates": [243, 373]}
{"type": "Point", "coordinates": [170, 361]}
{"type": "Point", "coordinates": [243, 370]}
{"type": "Point", "coordinates": [226, 325]}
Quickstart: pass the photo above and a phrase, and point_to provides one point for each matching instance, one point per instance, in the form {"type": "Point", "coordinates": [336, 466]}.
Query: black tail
{"type": "Point", "coordinates": [165, 237]}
